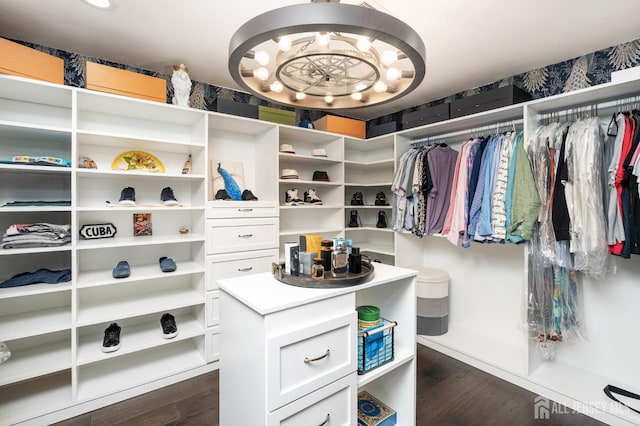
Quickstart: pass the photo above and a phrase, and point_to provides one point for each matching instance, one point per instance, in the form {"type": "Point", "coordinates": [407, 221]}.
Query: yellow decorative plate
{"type": "Point", "coordinates": [138, 161]}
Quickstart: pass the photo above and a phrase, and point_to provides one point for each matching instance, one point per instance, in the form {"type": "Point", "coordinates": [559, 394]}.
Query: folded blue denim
{"type": "Point", "coordinates": [45, 276]}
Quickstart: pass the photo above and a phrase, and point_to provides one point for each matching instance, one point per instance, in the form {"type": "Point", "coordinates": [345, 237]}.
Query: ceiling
{"type": "Point", "coordinates": [469, 43]}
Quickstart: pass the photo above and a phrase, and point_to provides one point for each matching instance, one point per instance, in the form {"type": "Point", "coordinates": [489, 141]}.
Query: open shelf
{"type": "Point", "coordinates": [401, 357]}
{"type": "Point", "coordinates": [138, 272]}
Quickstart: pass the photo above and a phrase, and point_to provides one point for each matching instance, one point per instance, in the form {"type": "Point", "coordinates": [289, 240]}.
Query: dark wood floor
{"type": "Point", "coordinates": [449, 392]}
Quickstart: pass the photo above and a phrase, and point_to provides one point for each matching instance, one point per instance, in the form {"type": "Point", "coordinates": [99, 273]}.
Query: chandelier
{"type": "Point", "coordinates": [326, 55]}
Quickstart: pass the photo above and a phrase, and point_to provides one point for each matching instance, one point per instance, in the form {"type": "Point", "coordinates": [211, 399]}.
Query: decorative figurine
{"type": "Point", "coordinates": [181, 85]}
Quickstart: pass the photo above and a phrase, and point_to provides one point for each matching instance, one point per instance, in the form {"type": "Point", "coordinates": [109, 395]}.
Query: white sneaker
{"type": "Point", "coordinates": [292, 198]}
{"type": "Point", "coordinates": [311, 197]}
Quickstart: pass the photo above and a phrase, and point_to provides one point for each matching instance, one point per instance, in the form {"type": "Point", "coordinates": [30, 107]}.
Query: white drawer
{"type": "Point", "coordinates": [335, 404]}
{"type": "Point", "coordinates": [212, 308]}
{"type": "Point", "coordinates": [232, 265]}
{"type": "Point", "coordinates": [225, 236]}
{"type": "Point", "coordinates": [241, 209]}
{"type": "Point", "coordinates": [306, 359]}
{"type": "Point", "coordinates": [212, 344]}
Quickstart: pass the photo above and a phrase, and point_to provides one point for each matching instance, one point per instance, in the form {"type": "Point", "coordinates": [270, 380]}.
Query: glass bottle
{"type": "Point", "coordinates": [317, 269]}
{"type": "Point", "coordinates": [339, 262]}
{"type": "Point", "coordinates": [326, 247]}
{"type": "Point", "coordinates": [355, 261]}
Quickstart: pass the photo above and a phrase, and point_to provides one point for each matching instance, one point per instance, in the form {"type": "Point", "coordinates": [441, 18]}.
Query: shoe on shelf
{"type": "Point", "coordinates": [292, 198]}
{"type": "Point", "coordinates": [357, 199]}
{"type": "Point", "coordinates": [382, 220]}
{"type": "Point", "coordinates": [169, 327]}
{"type": "Point", "coordinates": [311, 197]}
{"type": "Point", "coordinates": [167, 197]}
{"type": "Point", "coordinates": [248, 196]}
{"type": "Point", "coordinates": [354, 219]}
{"type": "Point", "coordinates": [127, 196]}
{"type": "Point", "coordinates": [222, 194]}
{"type": "Point", "coordinates": [167, 264]}
{"type": "Point", "coordinates": [381, 199]}
{"type": "Point", "coordinates": [121, 270]}
{"type": "Point", "coordinates": [111, 341]}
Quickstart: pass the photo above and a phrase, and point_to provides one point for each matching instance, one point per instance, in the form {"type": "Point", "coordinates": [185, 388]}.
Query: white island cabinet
{"type": "Point", "coordinates": [289, 355]}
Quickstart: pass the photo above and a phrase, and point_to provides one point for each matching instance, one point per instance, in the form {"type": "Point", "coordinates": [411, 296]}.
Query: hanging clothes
{"type": "Point", "coordinates": [441, 161]}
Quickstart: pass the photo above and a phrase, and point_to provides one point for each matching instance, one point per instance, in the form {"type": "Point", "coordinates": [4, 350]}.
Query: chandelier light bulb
{"type": "Point", "coordinates": [300, 96]}
{"type": "Point", "coordinates": [284, 43]}
{"type": "Point", "coordinates": [379, 87]}
{"type": "Point", "coordinates": [393, 74]}
{"type": "Point", "coordinates": [363, 44]}
{"type": "Point", "coordinates": [276, 86]}
{"type": "Point", "coordinates": [323, 39]}
{"type": "Point", "coordinates": [261, 74]}
{"type": "Point", "coordinates": [389, 57]}
{"type": "Point", "coordinates": [360, 87]}
{"type": "Point", "coordinates": [356, 96]}
{"type": "Point", "coordinates": [262, 56]}
{"type": "Point", "coordinates": [328, 99]}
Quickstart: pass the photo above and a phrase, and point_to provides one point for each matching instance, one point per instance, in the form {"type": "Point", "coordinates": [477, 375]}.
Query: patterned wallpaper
{"type": "Point", "coordinates": [584, 71]}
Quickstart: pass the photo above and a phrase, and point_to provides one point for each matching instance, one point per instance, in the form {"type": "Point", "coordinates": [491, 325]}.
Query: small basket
{"type": "Point", "coordinates": [375, 346]}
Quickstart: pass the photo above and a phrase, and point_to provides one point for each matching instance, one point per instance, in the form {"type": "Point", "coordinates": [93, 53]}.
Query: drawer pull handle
{"type": "Point", "coordinates": [245, 235]}
{"type": "Point", "coordinates": [308, 360]}
{"type": "Point", "coordinates": [245, 210]}
{"type": "Point", "coordinates": [326, 420]}
{"type": "Point", "coordinates": [245, 269]}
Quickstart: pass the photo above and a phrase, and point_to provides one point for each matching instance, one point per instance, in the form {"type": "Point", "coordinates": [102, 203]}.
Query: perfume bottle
{"type": "Point", "coordinates": [317, 269]}
{"type": "Point", "coordinates": [326, 248]}
{"type": "Point", "coordinates": [339, 262]}
{"type": "Point", "coordinates": [355, 261]}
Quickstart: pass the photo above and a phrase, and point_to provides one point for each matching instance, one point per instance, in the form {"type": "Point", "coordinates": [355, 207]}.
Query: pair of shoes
{"type": "Point", "coordinates": [123, 270]}
{"type": "Point", "coordinates": [247, 195]}
{"type": "Point", "coordinates": [381, 199]}
{"type": "Point", "coordinates": [357, 199]}
{"type": "Point", "coordinates": [128, 197]}
{"type": "Point", "coordinates": [310, 197]}
{"type": "Point", "coordinates": [111, 340]}
{"type": "Point", "coordinates": [382, 220]}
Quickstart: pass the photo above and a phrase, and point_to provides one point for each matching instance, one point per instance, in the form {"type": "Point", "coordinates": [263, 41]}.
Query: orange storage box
{"type": "Point", "coordinates": [127, 83]}
{"type": "Point", "coordinates": [22, 61]}
{"type": "Point", "coordinates": [343, 126]}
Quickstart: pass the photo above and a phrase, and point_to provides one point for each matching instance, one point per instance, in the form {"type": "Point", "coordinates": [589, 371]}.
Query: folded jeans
{"type": "Point", "coordinates": [45, 276]}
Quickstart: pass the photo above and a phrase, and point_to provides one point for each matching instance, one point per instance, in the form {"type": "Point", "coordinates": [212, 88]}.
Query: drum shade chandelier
{"type": "Point", "coordinates": [327, 55]}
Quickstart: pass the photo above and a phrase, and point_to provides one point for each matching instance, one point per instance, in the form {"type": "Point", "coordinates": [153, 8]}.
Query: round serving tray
{"type": "Point", "coordinates": [329, 281]}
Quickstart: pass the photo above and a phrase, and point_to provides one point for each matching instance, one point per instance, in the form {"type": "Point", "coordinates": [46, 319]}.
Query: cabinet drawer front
{"type": "Point", "coordinates": [212, 308]}
{"type": "Point", "coordinates": [254, 234]}
{"type": "Point", "coordinates": [240, 209]}
{"type": "Point", "coordinates": [304, 360]}
{"type": "Point", "coordinates": [212, 344]}
{"type": "Point", "coordinates": [334, 403]}
{"type": "Point", "coordinates": [238, 264]}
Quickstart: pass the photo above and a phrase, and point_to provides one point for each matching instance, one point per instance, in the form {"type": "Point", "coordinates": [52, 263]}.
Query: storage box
{"type": "Point", "coordinates": [341, 125]}
{"type": "Point", "coordinates": [374, 130]}
{"type": "Point", "coordinates": [486, 101]}
{"type": "Point", "coordinates": [375, 346]}
{"type": "Point", "coordinates": [126, 83]}
{"type": "Point", "coordinates": [236, 108]}
{"type": "Point", "coordinates": [373, 412]}
{"type": "Point", "coordinates": [276, 115]}
{"type": "Point", "coordinates": [22, 61]}
{"type": "Point", "coordinates": [421, 117]}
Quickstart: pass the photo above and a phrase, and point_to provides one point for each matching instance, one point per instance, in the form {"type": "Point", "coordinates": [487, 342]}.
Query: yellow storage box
{"type": "Point", "coordinates": [341, 125]}
{"type": "Point", "coordinates": [126, 83]}
{"type": "Point", "coordinates": [22, 61]}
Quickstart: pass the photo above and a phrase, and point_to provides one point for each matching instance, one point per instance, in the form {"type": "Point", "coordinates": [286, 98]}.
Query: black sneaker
{"type": "Point", "coordinates": [248, 196]}
{"type": "Point", "coordinates": [381, 199]}
{"type": "Point", "coordinates": [382, 220]}
{"type": "Point", "coordinates": [357, 199]}
{"type": "Point", "coordinates": [222, 194]}
{"type": "Point", "coordinates": [127, 196]}
{"type": "Point", "coordinates": [311, 197]}
{"type": "Point", "coordinates": [292, 198]}
{"type": "Point", "coordinates": [167, 197]}
{"type": "Point", "coordinates": [111, 342]}
{"type": "Point", "coordinates": [169, 327]}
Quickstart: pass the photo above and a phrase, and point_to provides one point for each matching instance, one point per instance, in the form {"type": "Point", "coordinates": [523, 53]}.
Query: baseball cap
{"type": "Point", "coordinates": [285, 147]}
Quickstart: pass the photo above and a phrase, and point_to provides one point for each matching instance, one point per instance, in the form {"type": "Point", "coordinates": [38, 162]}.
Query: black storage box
{"type": "Point", "coordinates": [486, 101]}
{"type": "Point", "coordinates": [236, 108]}
{"type": "Point", "coordinates": [374, 130]}
{"type": "Point", "coordinates": [433, 114]}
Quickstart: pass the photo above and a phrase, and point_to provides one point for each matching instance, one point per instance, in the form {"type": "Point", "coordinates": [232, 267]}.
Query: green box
{"type": "Point", "coordinates": [277, 115]}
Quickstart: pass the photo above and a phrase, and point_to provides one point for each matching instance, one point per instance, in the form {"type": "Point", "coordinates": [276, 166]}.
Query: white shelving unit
{"type": "Point", "coordinates": [55, 331]}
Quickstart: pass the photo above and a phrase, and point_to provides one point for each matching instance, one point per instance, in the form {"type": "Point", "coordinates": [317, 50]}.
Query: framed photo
{"type": "Point", "coordinates": [141, 224]}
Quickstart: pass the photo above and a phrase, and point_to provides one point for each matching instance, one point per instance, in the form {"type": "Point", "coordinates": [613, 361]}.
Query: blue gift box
{"type": "Point", "coordinates": [372, 412]}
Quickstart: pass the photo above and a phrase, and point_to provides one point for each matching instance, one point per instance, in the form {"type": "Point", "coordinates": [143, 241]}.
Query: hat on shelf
{"type": "Point", "coordinates": [319, 152]}
{"type": "Point", "coordinates": [289, 174]}
{"type": "Point", "coordinates": [286, 147]}
{"type": "Point", "coordinates": [321, 176]}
